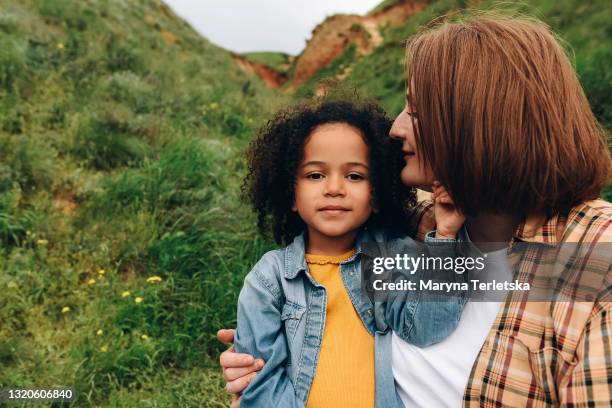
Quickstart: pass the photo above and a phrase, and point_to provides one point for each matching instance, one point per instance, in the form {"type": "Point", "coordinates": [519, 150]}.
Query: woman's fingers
{"type": "Point", "coordinates": [226, 335]}
{"type": "Point", "coordinates": [238, 368]}
{"type": "Point", "coordinates": [436, 190]}
{"type": "Point", "coordinates": [231, 374]}
{"type": "Point", "coordinates": [230, 359]}
{"type": "Point", "coordinates": [444, 199]}
{"type": "Point", "coordinates": [239, 384]}
{"type": "Point", "coordinates": [440, 195]}
{"type": "Point", "coordinates": [235, 402]}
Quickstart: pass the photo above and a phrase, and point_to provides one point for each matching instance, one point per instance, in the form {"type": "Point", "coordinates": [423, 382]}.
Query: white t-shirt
{"type": "Point", "coordinates": [436, 376]}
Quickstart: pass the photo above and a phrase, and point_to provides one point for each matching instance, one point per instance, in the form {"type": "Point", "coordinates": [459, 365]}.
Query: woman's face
{"type": "Point", "coordinates": [416, 173]}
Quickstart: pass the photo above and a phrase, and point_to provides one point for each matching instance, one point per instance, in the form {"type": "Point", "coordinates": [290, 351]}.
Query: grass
{"type": "Point", "coordinates": [383, 5]}
{"type": "Point", "coordinates": [123, 242]}
{"type": "Point", "coordinates": [121, 132]}
{"type": "Point", "coordinates": [277, 60]}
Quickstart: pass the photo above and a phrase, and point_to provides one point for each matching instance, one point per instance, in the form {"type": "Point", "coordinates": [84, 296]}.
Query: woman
{"type": "Point", "coordinates": [495, 111]}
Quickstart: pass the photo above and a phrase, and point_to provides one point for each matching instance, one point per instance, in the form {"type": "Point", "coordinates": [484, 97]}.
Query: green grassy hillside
{"type": "Point", "coordinates": [123, 243]}
{"type": "Point", "coordinates": [120, 138]}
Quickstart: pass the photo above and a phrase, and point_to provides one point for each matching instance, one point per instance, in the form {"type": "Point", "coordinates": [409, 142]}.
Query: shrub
{"type": "Point", "coordinates": [12, 62]}
{"type": "Point", "coordinates": [104, 141]}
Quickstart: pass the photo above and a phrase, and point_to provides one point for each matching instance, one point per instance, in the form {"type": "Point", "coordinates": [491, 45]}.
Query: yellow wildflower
{"type": "Point", "coordinates": [60, 46]}
{"type": "Point", "coordinates": [100, 332]}
{"type": "Point", "coordinates": [104, 349]}
{"type": "Point", "coordinates": [154, 279]}
{"type": "Point", "coordinates": [144, 337]}
{"type": "Point", "coordinates": [42, 242]}
{"type": "Point", "coordinates": [138, 300]}
{"type": "Point", "coordinates": [101, 271]}
{"type": "Point", "coordinates": [65, 309]}
{"type": "Point", "coordinates": [125, 294]}
{"type": "Point", "coordinates": [91, 281]}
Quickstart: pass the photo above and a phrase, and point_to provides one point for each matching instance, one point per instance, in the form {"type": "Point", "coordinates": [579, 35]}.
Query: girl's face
{"type": "Point", "coordinates": [333, 193]}
{"type": "Point", "coordinates": [416, 173]}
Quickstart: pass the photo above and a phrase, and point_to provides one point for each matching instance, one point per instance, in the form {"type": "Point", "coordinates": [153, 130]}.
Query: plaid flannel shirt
{"type": "Point", "coordinates": [546, 353]}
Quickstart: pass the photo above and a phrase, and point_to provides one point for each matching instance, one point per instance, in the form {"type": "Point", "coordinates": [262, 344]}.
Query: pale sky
{"type": "Point", "coordinates": [263, 25]}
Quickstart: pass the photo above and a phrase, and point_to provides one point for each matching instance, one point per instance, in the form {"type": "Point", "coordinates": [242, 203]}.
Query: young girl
{"type": "Point", "coordinates": [322, 177]}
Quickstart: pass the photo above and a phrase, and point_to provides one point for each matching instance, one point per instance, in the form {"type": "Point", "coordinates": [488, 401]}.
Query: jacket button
{"type": "Point", "coordinates": [369, 312]}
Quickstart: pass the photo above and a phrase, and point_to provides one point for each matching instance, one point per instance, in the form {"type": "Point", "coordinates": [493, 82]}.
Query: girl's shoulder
{"type": "Point", "coordinates": [277, 268]}
{"type": "Point", "coordinates": [380, 240]}
{"type": "Point", "coordinates": [271, 263]}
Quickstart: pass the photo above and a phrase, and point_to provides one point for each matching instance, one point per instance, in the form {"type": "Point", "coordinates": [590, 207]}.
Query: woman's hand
{"type": "Point", "coordinates": [448, 218]}
{"type": "Point", "coordinates": [238, 369]}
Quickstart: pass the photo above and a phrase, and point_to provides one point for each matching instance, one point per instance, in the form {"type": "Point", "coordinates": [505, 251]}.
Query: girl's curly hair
{"type": "Point", "coordinates": [275, 154]}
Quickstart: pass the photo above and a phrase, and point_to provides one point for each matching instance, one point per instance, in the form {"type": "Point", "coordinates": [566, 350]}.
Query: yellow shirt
{"type": "Point", "coordinates": [345, 370]}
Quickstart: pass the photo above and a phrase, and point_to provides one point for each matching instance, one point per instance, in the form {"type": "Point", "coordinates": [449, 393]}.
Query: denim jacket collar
{"type": "Point", "coordinates": [295, 261]}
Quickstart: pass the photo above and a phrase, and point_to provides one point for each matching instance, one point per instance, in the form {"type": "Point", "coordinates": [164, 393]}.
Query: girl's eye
{"type": "Point", "coordinates": [355, 177]}
{"type": "Point", "coordinates": [412, 114]}
{"type": "Point", "coordinates": [314, 176]}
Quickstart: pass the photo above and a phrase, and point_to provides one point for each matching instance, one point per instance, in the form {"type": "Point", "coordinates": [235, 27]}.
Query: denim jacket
{"type": "Point", "coordinates": [281, 317]}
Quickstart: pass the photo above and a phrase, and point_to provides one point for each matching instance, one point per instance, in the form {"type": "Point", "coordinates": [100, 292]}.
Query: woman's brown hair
{"type": "Point", "coordinates": [502, 118]}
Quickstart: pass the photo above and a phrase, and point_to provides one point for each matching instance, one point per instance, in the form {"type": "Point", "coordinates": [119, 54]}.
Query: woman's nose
{"type": "Point", "coordinates": [398, 130]}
